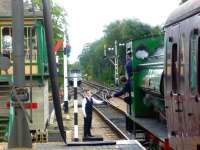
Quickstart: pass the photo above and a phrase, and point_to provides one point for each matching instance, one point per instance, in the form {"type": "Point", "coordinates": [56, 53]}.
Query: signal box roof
{"type": "Point", "coordinates": [6, 9]}
{"type": "Point", "coordinates": [186, 10]}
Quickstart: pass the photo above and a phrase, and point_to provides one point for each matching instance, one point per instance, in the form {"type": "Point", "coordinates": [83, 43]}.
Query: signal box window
{"type": "Point", "coordinates": [193, 63]}
{"type": "Point", "coordinates": [6, 43]}
{"type": "Point", "coordinates": [174, 67]}
{"type": "Point", "coordinates": [27, 47]}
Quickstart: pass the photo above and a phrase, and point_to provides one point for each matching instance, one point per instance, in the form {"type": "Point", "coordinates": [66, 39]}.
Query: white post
{"type": "Point", "coordinates": [57, 62]}
{"type": "Point", "coordinates": [66, 110]}
{"type": "Point", "coordinates": [75, 111]}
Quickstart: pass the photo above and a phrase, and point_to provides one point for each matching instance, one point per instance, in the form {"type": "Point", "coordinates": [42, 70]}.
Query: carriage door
{"type": "Point", "coordinates": [174, 84]}
{"type": "Point", "coordinates": [194, 83]}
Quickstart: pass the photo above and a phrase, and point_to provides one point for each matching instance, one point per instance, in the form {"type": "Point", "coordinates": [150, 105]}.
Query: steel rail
{"type": "Point", "coordinates": [95, 85]}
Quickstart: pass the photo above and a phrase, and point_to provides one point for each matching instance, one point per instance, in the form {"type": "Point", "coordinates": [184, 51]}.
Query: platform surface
{"type": "Point", "coordinates": [120, 145]}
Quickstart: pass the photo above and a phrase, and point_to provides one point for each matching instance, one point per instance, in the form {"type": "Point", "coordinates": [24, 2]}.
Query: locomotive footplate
{"type": "Point", "coordinates": [151, 125]}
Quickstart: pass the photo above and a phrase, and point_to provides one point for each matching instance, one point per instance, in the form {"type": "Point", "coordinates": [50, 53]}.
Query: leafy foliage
{"type": "Point", "coordinates": [59, 29]}
{"type": "Point", "coordinates": [58, 18]}
{"type": "Point", "coordinates": [91, 59]}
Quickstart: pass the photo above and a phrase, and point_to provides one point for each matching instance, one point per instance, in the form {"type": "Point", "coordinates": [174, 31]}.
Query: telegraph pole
{"type": "Point", "coordinates": [115, 62]}
{"type": "Point", "coordinates": [20, 136]}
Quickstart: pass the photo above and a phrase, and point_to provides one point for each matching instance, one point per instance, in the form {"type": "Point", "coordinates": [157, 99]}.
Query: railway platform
{"type": "Point", "coordinates": [99, 127]}
{"type": "Point", "coordinates": [112, 141]}
{"type": "Point", "coordinates": [117, 145]}
{"type": "Point", "coordinates": [111, 145]}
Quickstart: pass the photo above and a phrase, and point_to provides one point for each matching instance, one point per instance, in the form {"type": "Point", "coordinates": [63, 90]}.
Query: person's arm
{"type": "Point", "coordinates": [120, 93]}
{"type": "Point", "coordinates": [123, 91]}
{"type": "Point", "coordinates": [83, 107]}
{"type": "Point", "coordinates": [95, 101]}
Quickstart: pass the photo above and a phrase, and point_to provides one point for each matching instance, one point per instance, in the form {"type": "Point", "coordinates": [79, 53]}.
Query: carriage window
{"type": "Point", "coordinates": [174, 67]}
{"type": "Point", "coordinates": [182, 63]}
{"type": "Point", "coordinates": [198, 66]}
{"type": "Point", "coordinates": [193, 63]}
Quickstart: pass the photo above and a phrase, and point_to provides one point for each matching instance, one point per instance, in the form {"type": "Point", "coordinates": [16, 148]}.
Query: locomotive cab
{"type": "Point", "coordinates": [147, 81]}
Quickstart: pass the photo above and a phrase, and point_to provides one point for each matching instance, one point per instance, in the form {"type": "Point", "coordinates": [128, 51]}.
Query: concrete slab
{"type": "Point", "coordinates": [101, 145]}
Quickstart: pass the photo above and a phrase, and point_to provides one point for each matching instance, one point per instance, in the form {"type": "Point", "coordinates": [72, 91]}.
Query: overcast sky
{"type": "Point", "coordinates": [87, 18]}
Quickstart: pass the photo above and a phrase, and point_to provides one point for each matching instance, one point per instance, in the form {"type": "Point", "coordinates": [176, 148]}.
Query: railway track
{"type": "Point", "coordinates": [100, 88]}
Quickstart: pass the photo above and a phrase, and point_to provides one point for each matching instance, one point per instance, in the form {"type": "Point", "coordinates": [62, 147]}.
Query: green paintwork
{"type": "Point", "coordinates": [40, 62]}
{"type": "Point", "coordinates": [4, 118]}
{"type": "Point", "coordinates": [3, 128]}
{"type": "Point", "coordinates": [145, 69]}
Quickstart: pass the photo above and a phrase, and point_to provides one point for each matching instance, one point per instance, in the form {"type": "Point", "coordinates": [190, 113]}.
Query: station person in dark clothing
{"type": "Point", "coordinates": [128, 65]}
{"type": "Point", "coordinates": [87, 104]}
{"type": "Point", "coordinates": [125, 90]}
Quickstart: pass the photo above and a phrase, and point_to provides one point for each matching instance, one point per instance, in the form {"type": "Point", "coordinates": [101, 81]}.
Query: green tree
{"type": "Point", "coordinates": [59, 29]}
{"type": "Point", "coordinates": [58, 18]}
{"type": "Point", "coordinates": [91, 59]}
